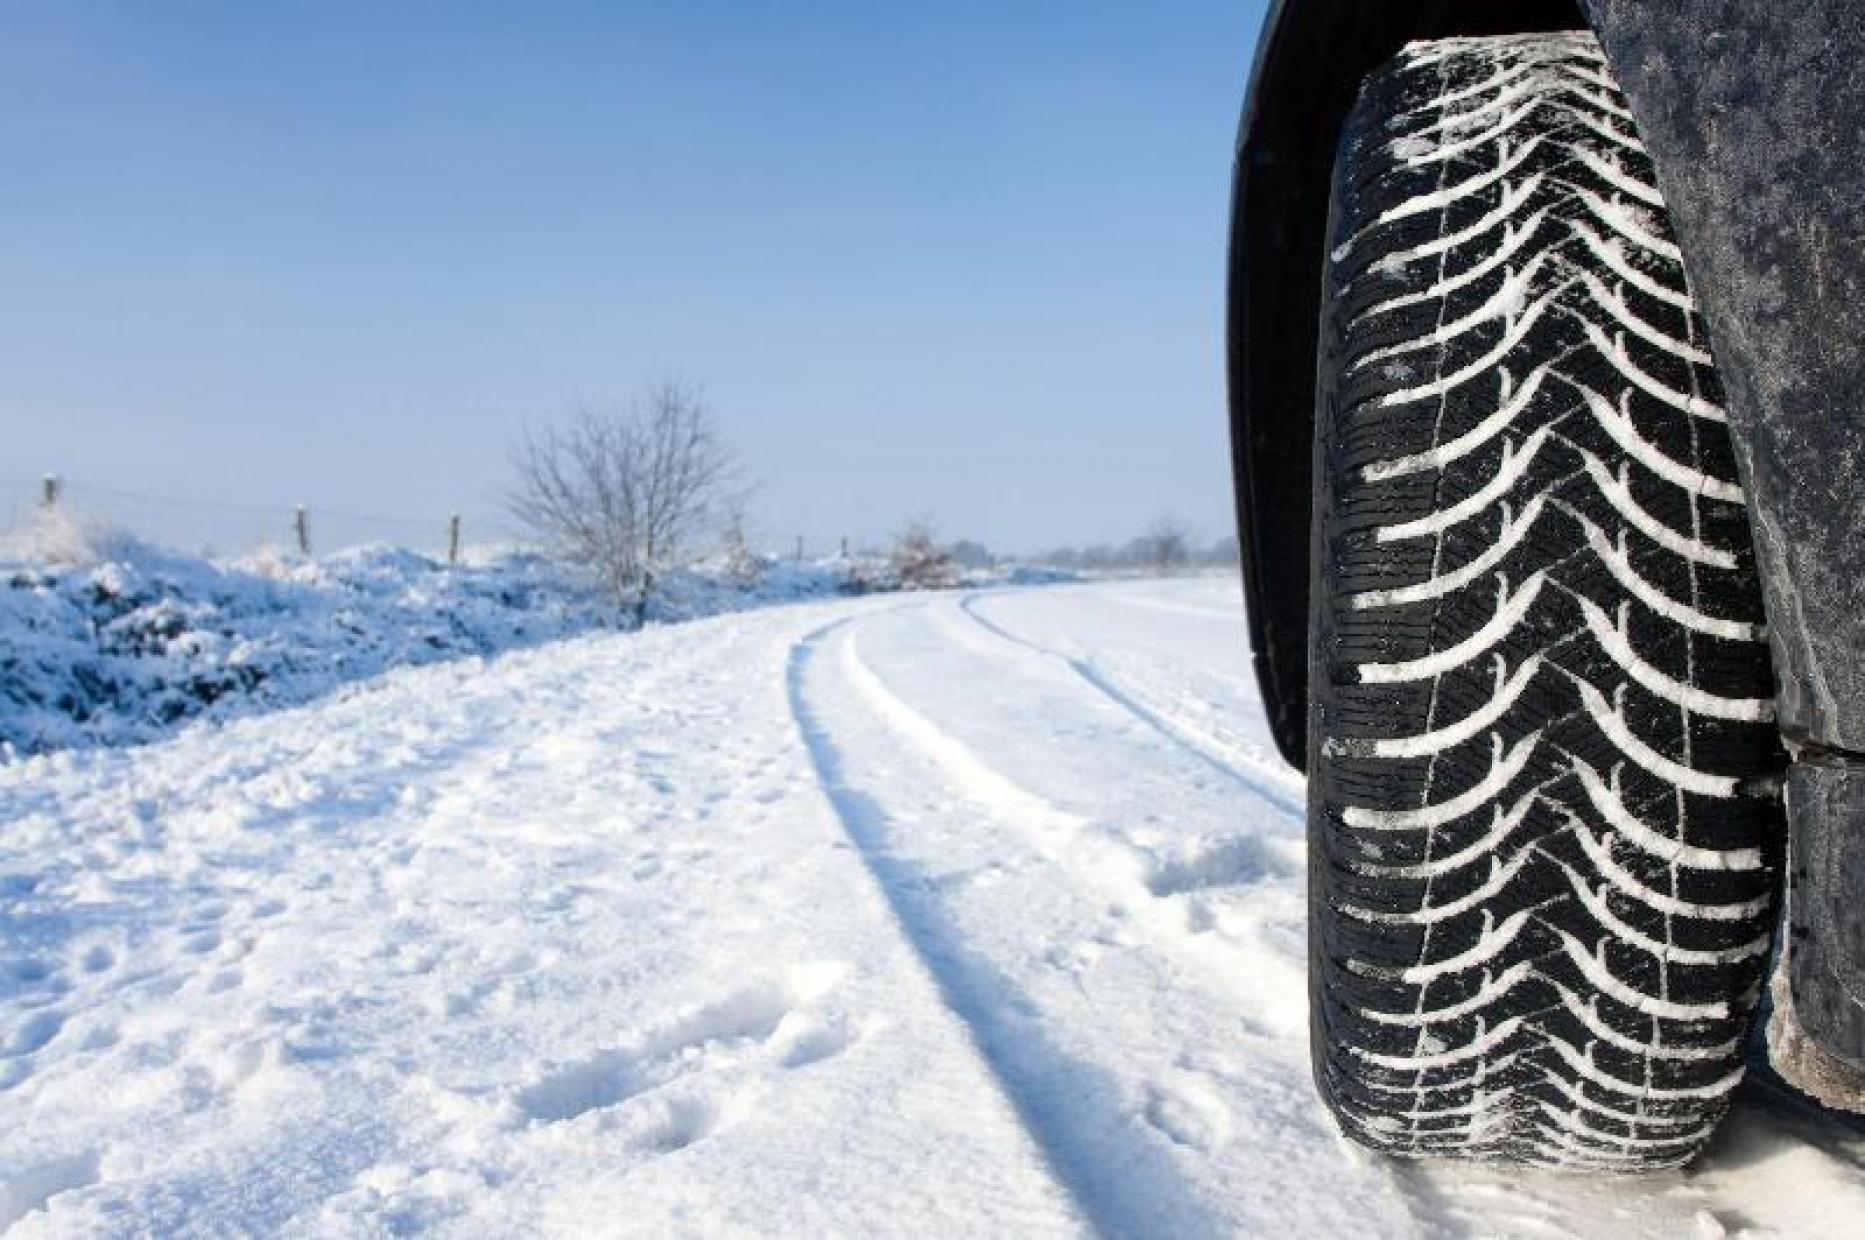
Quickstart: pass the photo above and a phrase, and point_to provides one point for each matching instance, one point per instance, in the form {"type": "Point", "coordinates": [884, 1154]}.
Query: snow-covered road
{"type": "Point", "coordinates": [945, 914]}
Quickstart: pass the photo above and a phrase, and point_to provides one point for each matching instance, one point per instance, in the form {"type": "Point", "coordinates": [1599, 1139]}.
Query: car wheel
{"type": "Point", "coordinates": [1543, 832]}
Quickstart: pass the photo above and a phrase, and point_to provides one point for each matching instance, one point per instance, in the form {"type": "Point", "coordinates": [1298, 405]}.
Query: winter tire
{"type": "Point", "coordinates": [1541, 812]}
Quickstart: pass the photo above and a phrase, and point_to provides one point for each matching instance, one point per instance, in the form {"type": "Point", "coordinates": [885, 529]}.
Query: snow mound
{"type": "Point", "coordinates": [106, 640]}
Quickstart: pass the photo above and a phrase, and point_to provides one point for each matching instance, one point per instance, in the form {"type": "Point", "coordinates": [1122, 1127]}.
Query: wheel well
{"type": "Point", "coordinates": [1310, 62]}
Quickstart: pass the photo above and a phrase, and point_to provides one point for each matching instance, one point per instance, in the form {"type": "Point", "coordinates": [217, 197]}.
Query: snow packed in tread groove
{"type": "Point", "coordinates": [1539, 644]}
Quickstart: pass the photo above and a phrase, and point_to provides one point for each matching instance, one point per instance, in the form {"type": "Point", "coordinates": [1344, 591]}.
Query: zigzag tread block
{"type": "Point", "coordinates": [1542, 874]}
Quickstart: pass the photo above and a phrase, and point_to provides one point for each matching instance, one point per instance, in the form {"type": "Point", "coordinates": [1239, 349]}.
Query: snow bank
{"type": "Point", "coordinates": [105, 640]}
{"type": "Point", "coordinates": [119, 643]}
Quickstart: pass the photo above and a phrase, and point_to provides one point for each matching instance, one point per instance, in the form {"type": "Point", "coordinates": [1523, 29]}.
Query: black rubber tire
{"type": "Point", "coordinates": [1544, 831]}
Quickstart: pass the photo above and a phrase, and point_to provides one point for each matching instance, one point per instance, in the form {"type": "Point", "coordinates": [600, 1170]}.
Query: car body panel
{"type": "Point", "coordinates": [1752, 113]}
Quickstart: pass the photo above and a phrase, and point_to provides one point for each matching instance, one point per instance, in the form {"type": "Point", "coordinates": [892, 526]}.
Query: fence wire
{"type": "Point", "coordinates": [218, 529]}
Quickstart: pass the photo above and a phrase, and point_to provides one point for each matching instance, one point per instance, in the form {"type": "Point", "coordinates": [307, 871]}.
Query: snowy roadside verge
{"type": "Point", "coordinates": [108, 641]}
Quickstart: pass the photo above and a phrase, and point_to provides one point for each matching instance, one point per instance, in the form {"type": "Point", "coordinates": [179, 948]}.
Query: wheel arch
{"type": "Point", "coordinates": [1310, 61]}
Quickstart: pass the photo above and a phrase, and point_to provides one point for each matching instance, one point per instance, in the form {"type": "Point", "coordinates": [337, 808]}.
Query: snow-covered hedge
{"type": "Point", "coordinates": [108, 641]}
{"type": "Point", "coordinates": [121, 645]}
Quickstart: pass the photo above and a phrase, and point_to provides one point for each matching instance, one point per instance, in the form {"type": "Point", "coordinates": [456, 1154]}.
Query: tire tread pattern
{"type": "Point", "coordinates": [1543, 846]}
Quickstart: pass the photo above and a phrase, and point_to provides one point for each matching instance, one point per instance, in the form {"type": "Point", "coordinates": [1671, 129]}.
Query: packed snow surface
{"type": "Point", "coordinates": [944, 914]}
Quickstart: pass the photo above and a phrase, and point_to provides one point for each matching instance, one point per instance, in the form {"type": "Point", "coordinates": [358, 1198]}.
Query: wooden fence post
{"type": "Point", "coordinates": [453, 539]}
{"type": "Point", "coordinates": [303, 524]}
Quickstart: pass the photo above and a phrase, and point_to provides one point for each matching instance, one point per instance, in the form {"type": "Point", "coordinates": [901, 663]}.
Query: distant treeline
{"type": "Point", "coordinates": [1165, 547]}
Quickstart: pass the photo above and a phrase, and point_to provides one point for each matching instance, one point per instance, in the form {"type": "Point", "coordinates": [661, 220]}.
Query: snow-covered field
{"type": "Point", "coordinates": [954, 914]}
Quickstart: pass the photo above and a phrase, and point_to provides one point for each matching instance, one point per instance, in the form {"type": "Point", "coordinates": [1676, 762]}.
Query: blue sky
{"type": "Point", "coordinates": [960, 258]}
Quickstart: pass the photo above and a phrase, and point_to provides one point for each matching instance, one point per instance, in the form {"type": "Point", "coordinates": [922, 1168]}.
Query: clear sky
{"type": "Point", "coordinates": [963, 258]}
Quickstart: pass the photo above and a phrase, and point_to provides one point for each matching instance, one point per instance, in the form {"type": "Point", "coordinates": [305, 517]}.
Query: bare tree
{"type": "Point", "coordinates": [627, 496]}
{"type": "Point", "coordinates": [1165, 548]}
{"type": "Point", "coordinates": [919, 561]}
{"type": "Point", "coordinates": [744, 566]}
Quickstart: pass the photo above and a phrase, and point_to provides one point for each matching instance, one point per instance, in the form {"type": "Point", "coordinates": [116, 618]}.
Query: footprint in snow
{"type": "Point", "coordinates": [25, 971]}
{"type": "Point", "coordinates": [682, 1121]}
{"type": "Point", "coordinates": [769, 1019]}
{"type": "Point", "coordinates": [32, 1034]}
{"type": "Point", "coordinates": [1237, 861]}
{"type": "Point", "coordinates": [803, 1038]}
{"type": "Point", "coordinates": [1188, 1112]}
{"type": "Point", "coordinates": [600, 1081]}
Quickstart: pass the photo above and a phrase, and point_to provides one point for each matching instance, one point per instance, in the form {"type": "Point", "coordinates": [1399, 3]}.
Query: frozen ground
{"type": "Point", "coordinates": [937, 915]}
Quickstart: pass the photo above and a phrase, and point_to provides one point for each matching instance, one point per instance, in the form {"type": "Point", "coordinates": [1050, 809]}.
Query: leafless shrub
{"type": "Point", "coordinates": [919, 561]}
{"type": "Point", "coordinates": [744, 565]}
{"type": "Point", "coordinates": [627, 496]}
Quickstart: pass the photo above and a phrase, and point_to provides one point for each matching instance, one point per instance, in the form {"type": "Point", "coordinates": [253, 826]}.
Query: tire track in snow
{"type": "Point", "coordinates": [1064, 1105]}
{"type": "Point", "coordinates": [1166, 1109]}
{"type": "Point", "coordinates": [1100, 857]}
{"type": "Point", "coordinates": [1095, 859]}
{"type": "Point", "coordinates": [1173, 731]}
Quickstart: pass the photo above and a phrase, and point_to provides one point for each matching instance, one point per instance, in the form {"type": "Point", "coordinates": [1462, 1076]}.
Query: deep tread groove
{"type": "Point", "coordinates": [1541, 903]}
